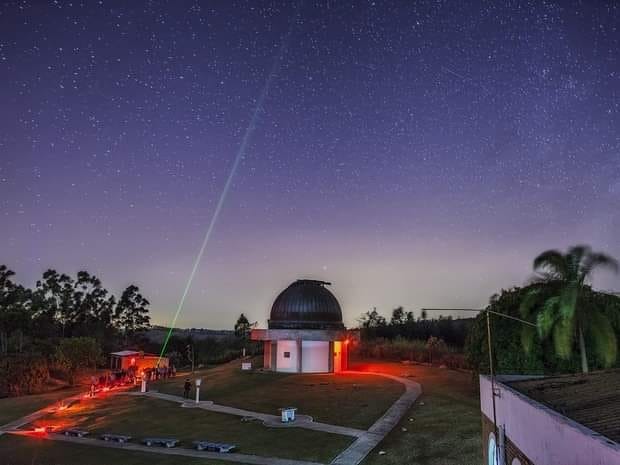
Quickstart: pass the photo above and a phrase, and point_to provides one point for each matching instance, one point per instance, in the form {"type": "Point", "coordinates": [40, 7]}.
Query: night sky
{"type": "Point", "coordinates": [413, 153]}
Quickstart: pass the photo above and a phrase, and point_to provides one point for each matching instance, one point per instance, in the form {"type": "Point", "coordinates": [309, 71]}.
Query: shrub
{"type": "Point", "coordinates": [21, 375]}
{"type": "Point", "coordinates": [434, 350]}
{"type": "Point", "coordinates": [76, 353]}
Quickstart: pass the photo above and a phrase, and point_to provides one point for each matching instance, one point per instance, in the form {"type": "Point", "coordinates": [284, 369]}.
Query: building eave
{"type": "Point", "coordinates": [303, 334]}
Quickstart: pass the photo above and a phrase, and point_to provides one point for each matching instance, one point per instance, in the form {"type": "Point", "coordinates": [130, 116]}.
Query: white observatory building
{"type": "Point", "coordinates": [305, 331]}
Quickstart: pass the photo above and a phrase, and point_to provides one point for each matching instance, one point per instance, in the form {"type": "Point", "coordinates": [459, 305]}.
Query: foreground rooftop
{"type": "Point", "coordinates": [592, 400]}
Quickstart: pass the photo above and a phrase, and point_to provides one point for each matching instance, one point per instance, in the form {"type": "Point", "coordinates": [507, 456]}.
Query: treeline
{"type": "Point", "coordinates": [62, 306]}
{"type": "Point", "coordinates": [556, 324]}
{"type": "Point", "coordinates": [402, 324]}
{"type": "Point", "coordinates": [210, 350]}
{"type": "Point", "coordinates": [62, 325]}
{"type": "Point", "coordinates": [206, 347]}
{"type": "Point", "coordinates": [437, 341]}
{"type": "Point", "coordinates": [510, 355]}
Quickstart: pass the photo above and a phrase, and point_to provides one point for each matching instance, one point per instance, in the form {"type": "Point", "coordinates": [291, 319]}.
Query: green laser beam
{"type": "Point", "coordinates": [240, 155]}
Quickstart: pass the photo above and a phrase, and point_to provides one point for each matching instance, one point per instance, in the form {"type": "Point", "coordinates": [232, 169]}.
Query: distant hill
{"type": "Point", "coordinates": [159, 333]}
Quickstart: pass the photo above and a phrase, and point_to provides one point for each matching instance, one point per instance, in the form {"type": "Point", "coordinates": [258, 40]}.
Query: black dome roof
{"type": "Point", "coordinates": [306, 304]}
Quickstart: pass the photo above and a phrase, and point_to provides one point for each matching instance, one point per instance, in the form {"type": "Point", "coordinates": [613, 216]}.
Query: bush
{"type": "Point", "coordinates": [434, 350]}
{"type": "Point", "coordinates": [76, 353]}
{"type": "Point", "coordinates": [21, 375]}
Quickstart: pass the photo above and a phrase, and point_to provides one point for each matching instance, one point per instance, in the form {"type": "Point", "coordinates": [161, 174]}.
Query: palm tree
{"type": "Point", "coordinates": [561, 312]}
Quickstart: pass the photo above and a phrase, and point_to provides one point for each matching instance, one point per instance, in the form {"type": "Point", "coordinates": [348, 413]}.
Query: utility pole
{"type": "Point", "coordinates": [492, 386]}
{"type": "Point", "coordinates": [190, 355]}
{"type": "Point", "coordinates": [488, 312]}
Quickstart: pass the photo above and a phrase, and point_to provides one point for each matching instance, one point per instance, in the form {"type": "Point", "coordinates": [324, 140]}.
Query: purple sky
{"type": "Point", "coordinates": [413, 153]}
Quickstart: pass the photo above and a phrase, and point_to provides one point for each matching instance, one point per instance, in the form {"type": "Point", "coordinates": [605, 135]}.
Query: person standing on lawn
{"type": "Point", "coordinates": [186, 387]}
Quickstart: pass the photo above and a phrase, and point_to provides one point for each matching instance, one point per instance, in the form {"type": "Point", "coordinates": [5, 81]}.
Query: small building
{"type": "Point", "coordinates": [126, 360]}
{"type": "Point", "coordinates": [305, 331]}
{"type": "Point", "coordinates": [567, 420]}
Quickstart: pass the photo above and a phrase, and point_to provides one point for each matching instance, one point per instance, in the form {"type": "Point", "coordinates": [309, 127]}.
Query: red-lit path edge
{"type": "Point", "coordinates": [354, 454]}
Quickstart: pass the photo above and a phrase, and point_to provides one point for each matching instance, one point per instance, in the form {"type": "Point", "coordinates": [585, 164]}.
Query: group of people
{"type": "Point", "coordinates": [157, 373]}
{"type": "Point", "coordinates": [109, 380]}
{"type": "Point", "coordinates": [129, 376]}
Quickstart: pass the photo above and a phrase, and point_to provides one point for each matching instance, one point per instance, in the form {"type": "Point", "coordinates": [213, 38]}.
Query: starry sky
{"type": "Point", "coordinates": [412, 153]}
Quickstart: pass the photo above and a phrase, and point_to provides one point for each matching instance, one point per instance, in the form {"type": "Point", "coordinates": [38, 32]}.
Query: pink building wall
{"type": "Point", "coordinates": [543, 435]}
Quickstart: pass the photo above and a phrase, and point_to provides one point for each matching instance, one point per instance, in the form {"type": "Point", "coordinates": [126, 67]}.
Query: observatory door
{"type": "Point", "coordinates": [337, 356]}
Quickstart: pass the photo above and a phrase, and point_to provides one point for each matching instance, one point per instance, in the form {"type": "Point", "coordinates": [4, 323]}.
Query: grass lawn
{"type": "Point", "coordinates": [141, 417]}
{"type": "Point", "coordinates": [348, 400]}
{"type": "Point", "coordinates": [445, 430]}
{"type": "Point", "coordinates": [12, 408]}
{"type": "Point", "coordinates": [16, 450]}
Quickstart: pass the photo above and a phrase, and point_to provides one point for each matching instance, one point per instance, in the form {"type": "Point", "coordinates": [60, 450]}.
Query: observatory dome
{"type": "Point", "coordinates": [306, 304]}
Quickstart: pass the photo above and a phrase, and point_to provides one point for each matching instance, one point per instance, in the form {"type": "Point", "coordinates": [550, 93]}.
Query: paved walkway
{"type": "Point", "coordinates": [352, 455]}
{"type": "Point", "coordinates": [357, 451]}
{"type": "Point", "coordinates": [15, 424]}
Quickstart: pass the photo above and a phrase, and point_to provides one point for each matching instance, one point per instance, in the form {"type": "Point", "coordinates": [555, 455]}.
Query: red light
{"type": "Point", "coordinates": [133, 361]}
{"type": "Point", "coordinates": [346, 342]}
{"type": "Point", "coordinates": [45, 429]}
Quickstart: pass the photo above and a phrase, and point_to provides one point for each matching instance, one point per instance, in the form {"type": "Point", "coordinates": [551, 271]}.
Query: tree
{"type": "Point", "coordinates": [91, 310]}
{"type": "Point", "coordinates": [76, 353]}
{"type": "Point", "coordinates": [564, 315]}
{"type": "Point", "coordinates": [131, 312]}
{"type": "Point", "coordinates": [53, 303]}
{"type": "Point", "coordinates": [435, 345]}
{"type": "Point", "coordinates": [372, 319]}
{"type": "Point", "coordinates": [398, 316]}
{"type": "Point", "coordinates": [14, 311]}
{"type": "Point", "coordinates": [243, 327]}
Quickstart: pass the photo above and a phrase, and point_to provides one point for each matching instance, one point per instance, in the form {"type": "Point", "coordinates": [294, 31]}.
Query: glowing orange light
{"type": "Point", "coordinates": [133, 361]}
{"type": "Point", "coordinates": [45, 429]}
{"type": "Point", "coordinates": [346, 342]}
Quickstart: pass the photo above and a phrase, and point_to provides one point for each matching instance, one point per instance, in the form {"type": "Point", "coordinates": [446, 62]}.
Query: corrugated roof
{"type": "Point", "coordinates": [590, 399]}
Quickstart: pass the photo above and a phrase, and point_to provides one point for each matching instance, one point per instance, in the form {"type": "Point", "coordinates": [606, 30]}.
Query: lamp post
{"type": "Point", "coordinates": [198, 383]}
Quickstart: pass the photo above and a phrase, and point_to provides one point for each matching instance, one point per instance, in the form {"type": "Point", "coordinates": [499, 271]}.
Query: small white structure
{"type": "Point", "coordinates": [305, 331]}
{"type": "Point", "coordinates": [288, 414]}
{"type": "Point", "coordinates": [198, 383]}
